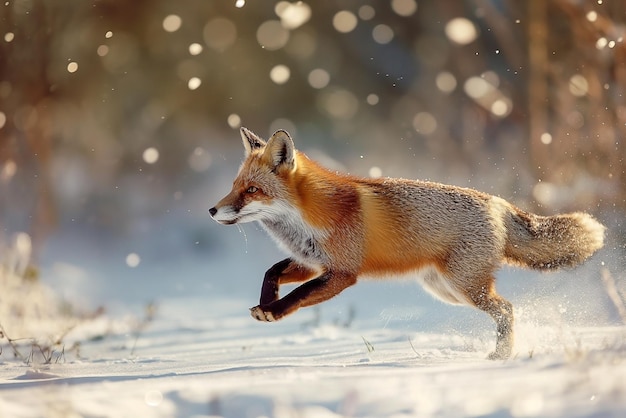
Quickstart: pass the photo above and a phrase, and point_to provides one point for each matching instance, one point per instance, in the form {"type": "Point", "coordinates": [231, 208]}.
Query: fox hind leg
{"type": "Point", "coordinates": [486, 299]}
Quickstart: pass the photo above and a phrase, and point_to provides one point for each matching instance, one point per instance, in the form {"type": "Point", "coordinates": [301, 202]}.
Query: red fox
{"type": "Point", "coordinates": [337, 228]}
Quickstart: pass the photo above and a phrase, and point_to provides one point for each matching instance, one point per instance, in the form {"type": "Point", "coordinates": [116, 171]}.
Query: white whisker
{"type": "Point", "coordinates": [245, 237]}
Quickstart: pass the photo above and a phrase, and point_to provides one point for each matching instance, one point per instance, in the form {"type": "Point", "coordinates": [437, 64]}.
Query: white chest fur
{"type": "Point", "coordinates": [295, 236]}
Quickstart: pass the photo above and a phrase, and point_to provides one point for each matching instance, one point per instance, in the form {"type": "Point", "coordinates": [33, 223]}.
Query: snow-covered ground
{"type": "Point", "coordinates": [380, 349]}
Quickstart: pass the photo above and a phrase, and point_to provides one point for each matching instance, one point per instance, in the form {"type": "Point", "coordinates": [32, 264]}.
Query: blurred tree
{"type": "Point", "coordinates": [25, 141]}
{"type": "Point", "coordinates": [576, 97]}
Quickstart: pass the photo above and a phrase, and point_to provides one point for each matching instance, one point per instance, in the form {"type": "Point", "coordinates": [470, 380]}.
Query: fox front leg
{"type": "Point", "coordinates": [283, 272]}
{"type": "Point", "coordinates": [310, 293]}
{"type": "Point", "coordinates": [269, 289]}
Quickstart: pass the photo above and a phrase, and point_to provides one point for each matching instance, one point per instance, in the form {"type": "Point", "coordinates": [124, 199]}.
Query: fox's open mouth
{"type": "Point", "coordinates": [228, 221]}
{"type": "Point", "coordinates": [238, 219]}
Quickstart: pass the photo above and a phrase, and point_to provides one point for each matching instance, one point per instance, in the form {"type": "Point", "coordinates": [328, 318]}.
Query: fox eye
{"type": "Point", "coordinates": [252, 189]}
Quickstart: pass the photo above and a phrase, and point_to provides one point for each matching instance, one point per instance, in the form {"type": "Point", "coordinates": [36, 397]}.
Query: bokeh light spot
{"type": "Point", "coordinates": [272, 35]}
{"type": "Point", "coordinates": [199, 160]}
{"type": "Point", "coordinates": [446, 82]}
{"type": "Point", "coordinates": [575, 119]}
{"type": "Point", "coordinates": [151, 155]}
{"type": "Point", "coordinates": [372, 99]}
{"type": "Point", "coordinates": [367, 12]}
{"type": "Point", "coordinates": [133, 260]}
{"type": "Point", "coordinates": [578, 85]}
{"type": "Point", "coordinates": [293, 15]}
{"type": "Point", "coordinates": [382, 34]}
{"type": "Point", "coordinates": [72, 67]}
{"type": "Point", "coordinates": [319, 78]}
{"type": "Point", "coordinates": [546, 138]}
{"type": "Point", "coordinates": [195, 48]}
{"type": "Point", "coordinates": [172, 23]}
{"type": "Point", "coordinates": [102, 50]}
{"type": "Point", "coordinates": [8, 171]}
{"type": "Point", "coordinates": [500, 108]}
{"type": "Point", "coordinates": [340, 104]}
{"type": "Point", "coordinates": [375, 172]}
{"type": "Point", "coordinates": [194, 83]}
{"type": "Point", "coordinates": [344, 21]}
{"type": "Point", "coordinates": [592, 16]}
{"type": "Point", "coordinates": [404, 7]}
{"type": "Point", "coordinates": [425, 123]}
{"type": "Point", "coordinates": [487, 95]}
{"type": "Point", "coordinates": [461, 31]}
{"type": "Point", "coordinates": [219, 34]}
{"type": "Point", "coordinates": [491, 77]}
{"type": "Point", "coordinates": [233, 120]}
{"type": "Point", "coordinates": [476, 87]}
{"type": "Point", "coordinates": [280, 74]}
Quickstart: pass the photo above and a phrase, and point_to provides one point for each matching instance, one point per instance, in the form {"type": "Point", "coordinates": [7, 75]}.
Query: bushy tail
{"type": "Point", "coordinates": [551, 242]}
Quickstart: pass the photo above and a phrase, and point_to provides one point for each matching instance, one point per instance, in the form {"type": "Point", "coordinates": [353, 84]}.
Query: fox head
{"type": "Point", "coordinates": [259, 191]}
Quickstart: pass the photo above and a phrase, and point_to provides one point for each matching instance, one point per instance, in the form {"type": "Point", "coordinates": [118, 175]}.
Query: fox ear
{"type": "Point", "coordinates": [250, 140]}
{"type": "Point", "coordinates": [280, 151]}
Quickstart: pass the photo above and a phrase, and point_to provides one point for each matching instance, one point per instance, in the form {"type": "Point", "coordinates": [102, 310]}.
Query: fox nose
{"type": "Point", "coordinates": [212, 211]}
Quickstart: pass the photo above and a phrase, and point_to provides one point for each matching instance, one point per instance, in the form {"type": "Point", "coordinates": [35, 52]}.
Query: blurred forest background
{"type": "Point", "coordinates": [116, 112]}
